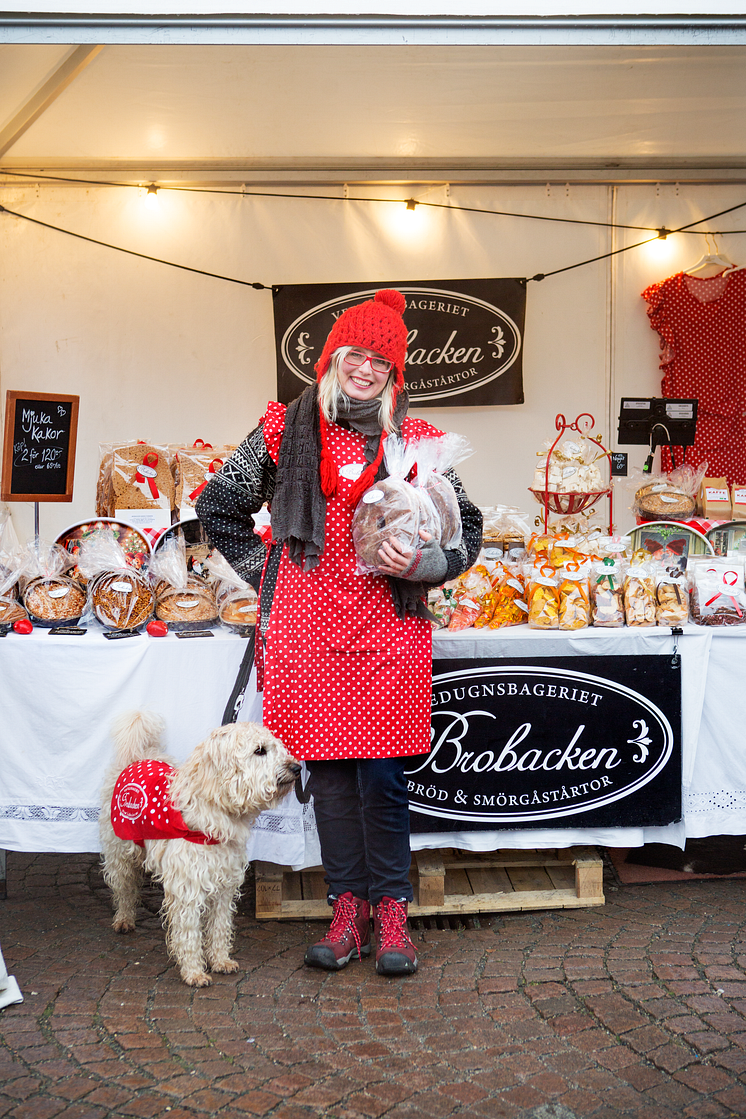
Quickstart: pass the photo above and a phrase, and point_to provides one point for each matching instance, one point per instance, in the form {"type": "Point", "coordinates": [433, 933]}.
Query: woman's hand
{"type": "Point", "coordinates": [395, 558]}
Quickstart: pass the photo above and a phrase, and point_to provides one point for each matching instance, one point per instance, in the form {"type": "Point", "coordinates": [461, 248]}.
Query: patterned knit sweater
{"type": "Point", "coordinates": [247, 480]}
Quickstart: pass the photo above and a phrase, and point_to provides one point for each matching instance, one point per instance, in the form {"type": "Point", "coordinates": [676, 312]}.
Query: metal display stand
{"type": "Point", "coordinates": [572, 501]}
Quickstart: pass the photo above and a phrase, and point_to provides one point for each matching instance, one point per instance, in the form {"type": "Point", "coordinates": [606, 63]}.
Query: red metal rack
{"type": "Point", "coordinates": [572, 501]}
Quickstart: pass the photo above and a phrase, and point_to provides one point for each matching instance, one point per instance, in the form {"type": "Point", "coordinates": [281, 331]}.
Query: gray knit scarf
{"type": "Point", "coordinates": [299, 505]}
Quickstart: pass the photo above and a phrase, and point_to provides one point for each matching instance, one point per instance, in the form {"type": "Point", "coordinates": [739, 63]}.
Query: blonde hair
{"type": "Point", "coordinates": [331, 393]}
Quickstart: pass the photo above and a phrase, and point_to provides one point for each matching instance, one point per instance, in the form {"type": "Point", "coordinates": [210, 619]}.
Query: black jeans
{"type": "Point", "coordinates": [362, 816]}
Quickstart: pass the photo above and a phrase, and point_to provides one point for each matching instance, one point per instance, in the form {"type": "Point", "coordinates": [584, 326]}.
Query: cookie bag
{"type": "Point", "coordinates": [607, 592]}
{"type": "Point", "coordinates": [639, 595]}
{"type": "Point", "coordinates": [574, 596]}
{"type": "Point", "coordinates": [543, 598]}
{"type": "Point", "coordinates": [434, 457]}
{"type": "Point", "coordinates": [391, 507]}
{"type": "Point", "coordinates": [671, 598]}
{"type": "Point", "coordinates": [510, 607]}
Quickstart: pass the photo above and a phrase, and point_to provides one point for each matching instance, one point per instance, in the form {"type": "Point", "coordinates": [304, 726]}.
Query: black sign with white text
{"type": "Point", "coordinates": [549, 743]}
{"type": "Point", "coordinates": [464, 345]}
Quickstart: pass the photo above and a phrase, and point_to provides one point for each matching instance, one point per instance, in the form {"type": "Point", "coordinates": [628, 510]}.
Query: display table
{"type": "Point", "coordinates": [59, 695]}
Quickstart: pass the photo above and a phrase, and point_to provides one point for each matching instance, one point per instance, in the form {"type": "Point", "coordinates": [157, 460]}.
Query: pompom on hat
{"type": "Point", "coordinates": [376, 325]}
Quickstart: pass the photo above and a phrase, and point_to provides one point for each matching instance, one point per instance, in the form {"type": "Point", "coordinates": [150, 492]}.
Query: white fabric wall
{"type": "Point", "coordinates": [166, 355]}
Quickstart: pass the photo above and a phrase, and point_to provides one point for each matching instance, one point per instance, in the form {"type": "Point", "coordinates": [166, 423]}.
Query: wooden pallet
{"type": "Point", "coordinates": [453, 881]}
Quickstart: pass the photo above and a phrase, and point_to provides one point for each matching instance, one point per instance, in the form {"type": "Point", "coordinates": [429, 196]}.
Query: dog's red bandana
{"type": "Point", "coordinates": [141, 806]}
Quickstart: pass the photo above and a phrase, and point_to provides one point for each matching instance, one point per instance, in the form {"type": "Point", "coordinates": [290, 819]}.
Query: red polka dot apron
{"type": "Point", "coordinates": [344, 677]}
{"type": "Point", "coordinates": [702, 327]}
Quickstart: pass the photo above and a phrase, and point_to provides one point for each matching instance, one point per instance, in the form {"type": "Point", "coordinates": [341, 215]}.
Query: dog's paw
{"type": "Point", "coordinates": [196, 978]}
{"type": "Point", "coordinates": [123, 925]}
{"type": "Point", "coordinates": [225, 967]}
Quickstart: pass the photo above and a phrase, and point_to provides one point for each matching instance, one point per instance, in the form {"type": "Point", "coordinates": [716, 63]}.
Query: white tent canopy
{"type": "Point", "coordinates": [614, 132]}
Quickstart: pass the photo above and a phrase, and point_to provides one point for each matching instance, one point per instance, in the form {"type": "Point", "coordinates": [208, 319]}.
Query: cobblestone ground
{"type": "Point", "coordinates": [634, 1009]}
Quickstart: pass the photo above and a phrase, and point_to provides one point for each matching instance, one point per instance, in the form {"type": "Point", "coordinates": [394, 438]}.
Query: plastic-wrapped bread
{"type": "Point", "coordinates": [574, 597]}
{"type": "Point", "coordinates": [389, 508]}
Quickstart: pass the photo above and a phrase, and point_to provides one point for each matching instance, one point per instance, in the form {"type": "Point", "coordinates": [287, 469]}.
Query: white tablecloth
{"type": "Point", "coordinates": [59, 695]}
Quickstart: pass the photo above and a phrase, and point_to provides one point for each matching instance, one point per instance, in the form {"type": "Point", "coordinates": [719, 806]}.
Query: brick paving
{"type": "Point", "coordinates": [637, 1009]}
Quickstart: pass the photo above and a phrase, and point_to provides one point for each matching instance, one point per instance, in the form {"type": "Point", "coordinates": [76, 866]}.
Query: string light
{"type": "Point", "coordinates": [152, 194]}
{"type": "Point", "coordinates": [411, 203]}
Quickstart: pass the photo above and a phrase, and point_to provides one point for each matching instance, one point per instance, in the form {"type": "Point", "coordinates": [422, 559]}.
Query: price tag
{"type": "Point", "coordinates": [618, 464]}
{"type": "Point", "coordinates": [195, 633]}
{"type": "Point", "coordinates": [115, 634]}
{"type": "Point", "coordinates": [4, 629]}
{"type": "Point", "coordinates": [69, 631]}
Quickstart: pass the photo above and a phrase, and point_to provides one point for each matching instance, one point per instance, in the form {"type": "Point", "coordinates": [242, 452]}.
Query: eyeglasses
{"type": "Point", "coordinates": [377, 364]}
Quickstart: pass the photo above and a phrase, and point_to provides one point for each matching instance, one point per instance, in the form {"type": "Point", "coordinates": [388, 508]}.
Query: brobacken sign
{"type": "Point", "coordinates": [574, 742]}
{"type": "Point", "coordinates": [464, 345]}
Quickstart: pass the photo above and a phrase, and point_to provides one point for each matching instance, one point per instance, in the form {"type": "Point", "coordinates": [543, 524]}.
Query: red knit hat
{"type": "Point", "coordinates": [377, 325]}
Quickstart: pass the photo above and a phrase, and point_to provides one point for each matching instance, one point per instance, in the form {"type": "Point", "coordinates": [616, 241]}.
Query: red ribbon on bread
{"type": "Point", "coordinates": [729, 583]}
{"type": "Point", "coordinates": [150, 459]}
{"type": "Point", "coordinates": [213, 469]}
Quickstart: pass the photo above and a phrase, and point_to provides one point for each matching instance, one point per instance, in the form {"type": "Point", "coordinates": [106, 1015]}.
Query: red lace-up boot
{"type": "Point", "coordinates": [348, 937]}
{"type": "Point", "coordinates": [395, 952]}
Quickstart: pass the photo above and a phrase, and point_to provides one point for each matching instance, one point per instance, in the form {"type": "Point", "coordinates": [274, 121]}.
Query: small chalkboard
{"type": "Point", "coordinates": [618, 461]}
{"type": "Point", "coordinates": [39, 446]}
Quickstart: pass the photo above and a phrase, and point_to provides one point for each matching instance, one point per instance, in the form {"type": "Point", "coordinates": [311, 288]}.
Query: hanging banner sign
{"type": "Point", "coordinates": [571, 742]}
{"type": "Point", "coordinates": [464, 346]}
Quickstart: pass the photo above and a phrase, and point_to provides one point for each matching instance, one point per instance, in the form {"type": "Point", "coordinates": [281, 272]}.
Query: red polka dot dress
{"type": "Point", "coordinates": [702, 327]}
{"type": "Point", "coordinates": [344, 677]}
{"type": "Point", "coordinates": [141, 805]}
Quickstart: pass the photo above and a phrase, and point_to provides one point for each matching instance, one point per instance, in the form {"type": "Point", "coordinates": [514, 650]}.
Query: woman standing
{"type": "Point", "coordinates": [345, 659]}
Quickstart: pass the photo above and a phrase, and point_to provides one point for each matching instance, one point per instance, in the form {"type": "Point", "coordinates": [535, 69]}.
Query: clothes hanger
{"type": "Point", "coordinates": [711, 264]}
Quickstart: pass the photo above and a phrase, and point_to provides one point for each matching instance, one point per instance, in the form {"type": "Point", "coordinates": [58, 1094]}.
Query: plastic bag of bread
{"type": "Point", "coordinates": [668, 497]}
{"type": "Point", "coordinates": [183, 599]}
{"type": "Point", "coordinates": [194, 468]}
{"type": "Point", "coordinates": [639, 595]}
{"type": "Point", "coordinates": [237, 600]}
{"type": "Point", "coordinates": [574, 596]}
{"type": "Point", "coordinates": [433, 458]}
{"type": "Point", "coordinates": [717, 596]}
{"type": "Point", "coordinates": [607, 592]}
{"type": "Point", "coordinates": [50, 597]}
{"type": "Point", "coordinates": [392, 507]}
{"type": "Point", "coordinates": [543, 598]}
{"type": "Point", "coordinates": [671, 598]}
{"type": "Point", "coordinates": [141, 477]}
{"type": "Point", "coordinates": [119, 596]}
{"type": "Point", "coordinates": [13, 565]}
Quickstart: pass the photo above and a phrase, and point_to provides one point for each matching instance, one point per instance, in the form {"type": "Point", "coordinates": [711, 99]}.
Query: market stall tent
{"type": "Point", "coordinates": [291, 162]}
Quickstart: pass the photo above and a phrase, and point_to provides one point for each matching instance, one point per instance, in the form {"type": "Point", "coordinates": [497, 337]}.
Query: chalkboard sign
{"type": "Point", "coordinates": [39, 446]}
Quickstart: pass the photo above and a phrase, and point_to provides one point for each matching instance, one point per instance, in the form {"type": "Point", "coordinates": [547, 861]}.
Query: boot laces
{"type": "Point", "coordinates": [344, 912]}
{"type": "Point", "coordinates": [393, 917]}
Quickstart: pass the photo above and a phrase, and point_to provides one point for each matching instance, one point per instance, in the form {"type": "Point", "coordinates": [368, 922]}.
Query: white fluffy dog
{"type": "Point", "coordinates": [214, 797]}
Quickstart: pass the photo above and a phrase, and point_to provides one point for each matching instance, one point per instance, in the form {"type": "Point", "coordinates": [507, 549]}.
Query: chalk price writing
{"type": "Point", "coordinates": [47, 457]}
